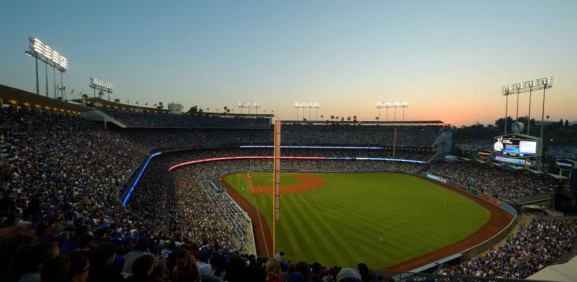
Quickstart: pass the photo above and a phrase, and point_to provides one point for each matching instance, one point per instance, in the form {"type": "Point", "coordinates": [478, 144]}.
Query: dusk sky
{"type": "Point", "coordinates": [448, 59]}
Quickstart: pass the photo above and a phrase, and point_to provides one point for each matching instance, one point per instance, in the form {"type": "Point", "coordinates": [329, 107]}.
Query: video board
{"type": "Point", "coordinates": [517, 146]}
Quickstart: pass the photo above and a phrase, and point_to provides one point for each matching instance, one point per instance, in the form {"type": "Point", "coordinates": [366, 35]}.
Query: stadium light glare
{"type": "Point", "coordinates": [394, 105]}
{"type": "Point", "coordinates": [310, 106]}
{"type": "Point", "coordinates": [49, 56]}
{"type": "Point", "coordinates": [101, 86]}
{"type": "Point", "coordinates": [249, 105]}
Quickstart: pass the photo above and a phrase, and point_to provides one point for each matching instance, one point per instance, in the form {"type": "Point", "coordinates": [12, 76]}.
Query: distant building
{"type": "Point", "coordinates": [175, 109]}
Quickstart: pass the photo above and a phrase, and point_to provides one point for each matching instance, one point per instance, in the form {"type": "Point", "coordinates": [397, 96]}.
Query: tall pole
{"type": "Point", "coordinates": [529, 118]}
{"type": "Point", "coordinates": [54, 76]}
{"type": "Point", "coordinates": [543, 113]}
{"type": "Point", "coordinates": [517, 113]}
{"type": "Point", "coordinates": [37, 86]}
{"type": "Point", "coordinates": [506, 111]}
{"type": "Point", "coordinates": [297, 113]}
{"type": "Point", "coordinates": [387, 118]}
{"type": "Point", "coordinates": [395, 113]}
{"type": "Point", "coordinates": [46, 72]}
{"type": "Point", "coordinates": [379, 113]}
{"type": "Point", "coordinates": [62, 93]}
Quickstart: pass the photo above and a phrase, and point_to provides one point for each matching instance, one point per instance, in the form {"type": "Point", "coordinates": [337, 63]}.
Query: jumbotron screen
{"type": "Point", "coordinates": [516, 147]}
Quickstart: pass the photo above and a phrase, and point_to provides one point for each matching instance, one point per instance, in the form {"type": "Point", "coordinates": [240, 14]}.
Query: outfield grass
{"type": "Point", "coordinates": [340, 223]}
{"type": "Point", "coordinates": [264, 179]}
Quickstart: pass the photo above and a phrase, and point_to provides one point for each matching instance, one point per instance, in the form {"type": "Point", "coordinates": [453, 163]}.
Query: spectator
{"type": "Point", "coordinates": [273, 271]}
{"type": "Point", "coordinates": [159, 271]}
{"type": "Point", "coordinates": [139, 250]}
{"type": "Point", "coordinates": [101, 258]}
{"type": "Point", "coordinates": [142, 268]}
{"type": "Point", "coordinates": [185, 269]}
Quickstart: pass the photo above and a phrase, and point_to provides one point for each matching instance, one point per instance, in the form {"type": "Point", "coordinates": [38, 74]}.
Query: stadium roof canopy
{"type": "Point", "coordinates": [99, 102]}
{"type": "Point", "coordinates": [414, 122]}
{"type": "Point", "coordinates": [559, 272]}
{"type": "Point", "coordinates": [23, 98]}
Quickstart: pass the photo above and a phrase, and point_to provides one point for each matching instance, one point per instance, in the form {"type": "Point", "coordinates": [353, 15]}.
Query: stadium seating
{"type": "Point", "coordinates": [61, 177]}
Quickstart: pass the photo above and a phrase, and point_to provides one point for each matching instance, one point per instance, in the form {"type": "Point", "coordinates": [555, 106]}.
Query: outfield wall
{"type": "Point", "coordinates": [480, 248]}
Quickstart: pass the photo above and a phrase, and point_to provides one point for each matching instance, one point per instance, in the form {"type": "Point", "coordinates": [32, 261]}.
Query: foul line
{"type": "Point", "coordinates": [259, 221]}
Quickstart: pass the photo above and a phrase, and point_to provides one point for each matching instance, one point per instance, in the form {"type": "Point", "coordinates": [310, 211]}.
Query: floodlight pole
{"type": "Point", "coordinates": [379, 113]}
{"type": "Point", "coordinates": [506, 111]}
{"type": "Point", "coordinates": [37, 86]}
{"type": "Point", "coordinates": [62, 92]}
{"type": "Point", "coordinates": [517, 113]}
{"type": "Point", "coordinates": [54, 76]}
{"type": "Point", "coordinates": [529, 118]}
{"type": "Point", "coordinates": [395, 113]}
{"type": "Point", "coordinates": [404, 113]}
{"type": "Point", "coordinates": [543, 112]}
{"type": "Point", "coordinates": [46, 72]}
{"type": "Point", "coordinates": [387, 117]}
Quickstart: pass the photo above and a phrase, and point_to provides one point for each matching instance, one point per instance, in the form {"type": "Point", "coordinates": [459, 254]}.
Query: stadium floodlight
{"type": "Point", "coordinates": [39, 50]}
{"type": "Point", "coordinates": [316, 106]}
{"type": "Point", "coordinates": [300, 105]}
{"type": "Point", "coordinates": [256, 106]}
{"type": "Point", "coordinates": [249, 105]}
{"type": "Point", "coordinates": [527, 86]}
{"type": "Point", "coordinates": [393, 105]}
{"type": "Point", "coordinates": [379, 106]}
{"type": "Point", "coordinates": [101, 86]}
{"type": "Point", "coordinates": [403, 105]}
{"type": "Point", "coordinates": [310, 106]}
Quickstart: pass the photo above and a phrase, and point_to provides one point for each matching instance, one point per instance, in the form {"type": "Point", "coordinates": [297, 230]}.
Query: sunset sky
{"type": "Point", "coordinates": [448, 59]}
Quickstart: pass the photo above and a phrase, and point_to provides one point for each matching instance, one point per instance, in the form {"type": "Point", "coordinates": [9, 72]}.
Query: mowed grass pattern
{"type": "Point", "coordinates": [340, 223]}
{"type": "Point", "coordinates": [264, 179]}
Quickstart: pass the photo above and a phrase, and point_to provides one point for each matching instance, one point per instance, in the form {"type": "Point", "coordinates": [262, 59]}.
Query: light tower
{"type": "Point", "coordinates": [379, 106]}
{"type": "Point", "coordinates": [50, 57]}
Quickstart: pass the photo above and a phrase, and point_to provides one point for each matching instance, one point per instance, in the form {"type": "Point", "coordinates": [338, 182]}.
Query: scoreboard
{"type": "Point", "coordinates": [517, 146]}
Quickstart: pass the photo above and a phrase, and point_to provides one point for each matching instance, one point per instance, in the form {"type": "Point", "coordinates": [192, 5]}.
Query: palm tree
{"type": "Point", "coordinates": [547, 118]}
{"type": "Point", "coordinates": [349, 118]}
{"type": "Point", "coordinates": [376, 118]}
{"type": "Point", "coordinates": [332, 118]}
{"type": "Point", "coordinates": [355, 118]}
{"type": "Point", "coordinates": [322, 117]}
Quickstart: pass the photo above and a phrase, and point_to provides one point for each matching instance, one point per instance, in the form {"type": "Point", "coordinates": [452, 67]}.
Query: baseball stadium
{"type": "Point", "coordinates": [202, 185]}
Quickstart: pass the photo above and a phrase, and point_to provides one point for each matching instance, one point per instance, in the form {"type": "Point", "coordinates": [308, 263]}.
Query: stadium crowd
{"type": "Point", "coordinates": [61, 218]}
{"type": "Point", "coordinates": [510, 184]}
{"type": "Point", "coordinates": [534, 247]}
{"type": "Point", "coordinates": [188, 121]}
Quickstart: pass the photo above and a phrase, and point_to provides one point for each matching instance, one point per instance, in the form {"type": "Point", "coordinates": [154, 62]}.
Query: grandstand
{"type": "Point", "coordinates": [65, 178]}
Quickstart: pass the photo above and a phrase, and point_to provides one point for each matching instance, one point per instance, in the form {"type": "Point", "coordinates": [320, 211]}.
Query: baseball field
{"type": "Point", "coordinates": [340, 218]}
